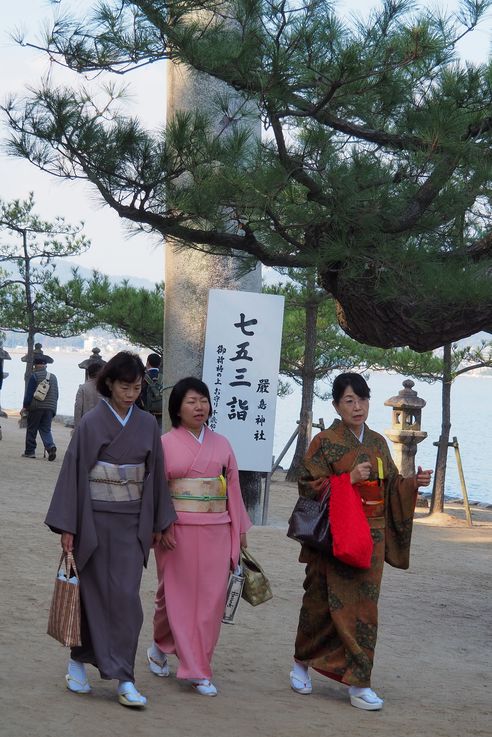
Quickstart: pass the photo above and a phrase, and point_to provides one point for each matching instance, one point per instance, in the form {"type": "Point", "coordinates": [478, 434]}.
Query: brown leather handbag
{"type": "Point", "coordinates": [309, 523]}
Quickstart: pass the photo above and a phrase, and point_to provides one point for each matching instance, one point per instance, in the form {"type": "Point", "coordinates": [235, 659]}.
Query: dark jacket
{"type": "Point", "coordinates": [51, 399]}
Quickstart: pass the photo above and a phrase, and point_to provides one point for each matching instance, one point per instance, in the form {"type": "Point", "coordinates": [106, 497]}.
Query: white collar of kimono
{"type": "Point", "coordinates": [360, 437]}
{"type": "Point", "coordinates": [121, 420]}
{"type": "Point", "coordinates": [200, 437]}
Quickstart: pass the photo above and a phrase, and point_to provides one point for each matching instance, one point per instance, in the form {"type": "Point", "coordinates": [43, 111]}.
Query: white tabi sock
{"type": "Point", "coordinates": [300, 671]}
{"type": "Point", "coordinates": [77, 671]}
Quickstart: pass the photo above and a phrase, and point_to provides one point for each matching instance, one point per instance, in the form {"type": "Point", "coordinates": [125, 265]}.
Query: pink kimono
{"type": "Point", "coordinates": [192, 578]}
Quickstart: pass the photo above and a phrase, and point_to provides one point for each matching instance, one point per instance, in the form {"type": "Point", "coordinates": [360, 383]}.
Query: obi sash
{"type": "Point", "coordinates": [372, 497]}
{"type": "Point", "coordinates": [199, 495]}
{"type": "Point", "coordinates": [109, 482]}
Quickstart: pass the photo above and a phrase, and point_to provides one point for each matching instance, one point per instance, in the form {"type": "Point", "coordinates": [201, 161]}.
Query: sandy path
{"type": "Point", "coordinates": [432, 661]}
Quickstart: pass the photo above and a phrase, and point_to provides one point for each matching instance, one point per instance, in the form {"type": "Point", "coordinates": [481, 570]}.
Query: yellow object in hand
{"type": "Point", "coordinates": [380, 468]}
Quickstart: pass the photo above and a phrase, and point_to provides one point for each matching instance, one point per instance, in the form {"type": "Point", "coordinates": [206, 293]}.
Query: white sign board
{"type": "Point", "coordinates": [240, 367]}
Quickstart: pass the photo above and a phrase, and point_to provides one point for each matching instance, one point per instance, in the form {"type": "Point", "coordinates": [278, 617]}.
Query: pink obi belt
{"type": "Point", "coordinates": [199, 495]}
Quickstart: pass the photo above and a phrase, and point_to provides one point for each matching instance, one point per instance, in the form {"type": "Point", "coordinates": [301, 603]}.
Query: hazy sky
{"type": "Point", "coordinates": [112, 251]}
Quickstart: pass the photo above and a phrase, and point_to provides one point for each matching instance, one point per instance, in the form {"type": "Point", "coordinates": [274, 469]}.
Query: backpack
{"type": "Point", "coordinates": [153, 395]}
{"type": "Point", "coordinates": [42, 389]}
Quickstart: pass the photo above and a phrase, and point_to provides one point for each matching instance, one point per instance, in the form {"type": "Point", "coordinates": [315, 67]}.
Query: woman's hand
{"type": "Point", "coordinates": [361, 472]}
{"type": "Point", "coordinates": [422, 478]}
{"type": "Point", "coordinates": [243, 540]}
{"type": "Point", "coordinates": [168, 540]}
{"type": "Point", "coordinates": [67, 542]}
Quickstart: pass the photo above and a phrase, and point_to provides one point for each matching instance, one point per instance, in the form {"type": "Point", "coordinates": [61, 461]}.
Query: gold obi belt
{"type": "Point", "coordinates": [109, 482]}
{"type": "Point", "coordinates": [199, 495]}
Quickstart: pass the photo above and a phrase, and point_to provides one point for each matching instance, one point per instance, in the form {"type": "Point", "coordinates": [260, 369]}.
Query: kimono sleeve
{"type": "Point", "coordinates": [164, 513]}
{"type": "Point", "coordinates": [234, 491]}
{"type": "Point", "coordinates": [63, 510]}
{"type": "Point", "coordinates": [314, 470]}
{"type": "Point", "coordinates": [401, 496]}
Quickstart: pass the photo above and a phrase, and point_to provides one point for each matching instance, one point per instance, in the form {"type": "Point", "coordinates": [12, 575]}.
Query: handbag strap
{"type": "Point", "coordinates": [68, 562]}
{"type": "Point", "coordinates": [250, 561]}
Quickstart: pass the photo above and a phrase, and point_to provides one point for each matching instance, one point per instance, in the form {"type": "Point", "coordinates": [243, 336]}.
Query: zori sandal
{"type": "Point", "coordinates": [76, 686]}
{"type": "Point", "coordinates": [129, 696]}
{"type": "Point", "coordinates": [365, 698]}
{"type": "Point", "coordinates": [157, 666]}
{"type": "Point", "coordinates": [204, 687]}
{"type": "Point", "coordinates": [300, 686]}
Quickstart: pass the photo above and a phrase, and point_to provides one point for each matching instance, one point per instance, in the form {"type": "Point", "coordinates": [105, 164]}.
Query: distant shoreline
{"type": "Point", "coordinates": [67, 421]}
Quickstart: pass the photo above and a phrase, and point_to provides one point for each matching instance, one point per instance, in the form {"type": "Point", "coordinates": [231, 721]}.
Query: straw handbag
{"type": "Point", "coordinates": [256, 587]}
{"type": "Point", "coordinates": [64, 618]}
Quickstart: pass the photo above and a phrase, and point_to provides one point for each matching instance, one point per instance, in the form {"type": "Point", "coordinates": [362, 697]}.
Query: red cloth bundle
{"type": "Point", "coordinates": [351, 534]}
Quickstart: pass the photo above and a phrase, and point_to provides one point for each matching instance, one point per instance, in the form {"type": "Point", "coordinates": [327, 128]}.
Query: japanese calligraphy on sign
{"type": "Point", "coordinates": [240, 367]}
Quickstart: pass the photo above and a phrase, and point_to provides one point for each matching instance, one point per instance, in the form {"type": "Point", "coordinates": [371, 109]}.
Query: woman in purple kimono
{"type": "Point", "coordinates": [110, 504]}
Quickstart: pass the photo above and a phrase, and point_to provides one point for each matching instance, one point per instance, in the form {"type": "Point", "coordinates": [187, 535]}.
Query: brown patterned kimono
{"type": "Point", "coordinates": [338, 621]}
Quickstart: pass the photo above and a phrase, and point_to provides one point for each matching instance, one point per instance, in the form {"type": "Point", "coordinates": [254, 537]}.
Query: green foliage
{"type": "Point", "coordinates": [28, 248]}
{"type": "Point", "coordinates": [33, 300]}
{"type": "Point", "coordinates": [374, 167]}
{"type": "Point", "coordinates": [135, 314]}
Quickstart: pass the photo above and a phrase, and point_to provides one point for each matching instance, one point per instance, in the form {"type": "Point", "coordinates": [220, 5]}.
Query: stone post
{"type": "Point", "coordinates": [190, 274]}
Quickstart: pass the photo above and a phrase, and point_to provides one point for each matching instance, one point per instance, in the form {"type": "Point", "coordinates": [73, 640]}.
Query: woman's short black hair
{"type": "Point", "coordinates": [124, 366]}
{"type": "Point", "coordinates": [355, 381]}
{"type": "Point", "coordinates": [178, 394]}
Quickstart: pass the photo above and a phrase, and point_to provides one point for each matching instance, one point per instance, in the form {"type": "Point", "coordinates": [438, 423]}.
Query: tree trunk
{"type": "Point", "coordinates": [437, 501]}
{"type": "Point", "coordinates": [308, 378]}
{"type": "Point", "coordinates": [31, 328]}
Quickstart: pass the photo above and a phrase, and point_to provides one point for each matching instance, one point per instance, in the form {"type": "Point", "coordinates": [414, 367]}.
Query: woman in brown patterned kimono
{"type": "Point", "coordinates": [338, 620]}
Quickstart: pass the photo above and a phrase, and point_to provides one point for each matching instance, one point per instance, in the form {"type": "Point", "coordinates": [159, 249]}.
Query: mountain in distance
{"type": "Point", "coordinates": [64, 273]}
{"type": "Point", "coordinates": [64, 269]}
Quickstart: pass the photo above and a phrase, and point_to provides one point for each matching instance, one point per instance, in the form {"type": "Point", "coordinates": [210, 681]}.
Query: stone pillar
{"type": "Point", "coordinates": [190, 274]}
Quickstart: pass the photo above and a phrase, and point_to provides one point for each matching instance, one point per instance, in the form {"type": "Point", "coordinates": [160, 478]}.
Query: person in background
{"type": "Point", "coordinates": [87, 395]}
{"type": "Point", "coordinates": [40, 413]}
{"type": "Point", "coordinates": [152, 388]}
{"type": "Point", "coordinates": [338, 621]}
{"type": "Point", "coordinates": [195, 555]}
{"type": "Point", "coordinates": [110, 503]}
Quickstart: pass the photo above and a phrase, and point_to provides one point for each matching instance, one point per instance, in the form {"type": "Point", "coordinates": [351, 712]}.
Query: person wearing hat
{"type": "Point", "coordinates": [40, 412]}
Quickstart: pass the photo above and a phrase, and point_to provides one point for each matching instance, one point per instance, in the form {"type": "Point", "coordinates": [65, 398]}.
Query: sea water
{"type": "Point", "coordinates": [470, 415]}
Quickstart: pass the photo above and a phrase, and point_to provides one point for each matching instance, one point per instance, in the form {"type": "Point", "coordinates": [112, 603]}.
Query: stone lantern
{"type": "Point", "coordinates": [38, 351]}
{"type": "Point", "coordinates": [4, 356]}
{"type": "Point", "coordinates": [95, 357]}
{"type": "Point", "coordinates": [405, 432]}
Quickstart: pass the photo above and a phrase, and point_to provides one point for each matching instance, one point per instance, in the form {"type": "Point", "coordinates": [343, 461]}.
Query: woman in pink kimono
{"type": "Point", "coordinates": [195, 555]}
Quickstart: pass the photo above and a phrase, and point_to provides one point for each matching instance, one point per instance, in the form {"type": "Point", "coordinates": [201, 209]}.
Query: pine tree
{"type": "Point", "coordinates": [133, 313]}
{"type": "Point", "coordinates": [374, 168]}
{"type": "Point", "coordinates": [27, 252]}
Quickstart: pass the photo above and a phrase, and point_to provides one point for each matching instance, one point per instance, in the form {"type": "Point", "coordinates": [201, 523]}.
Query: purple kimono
{"type": "Point", "coordinates": [112, 538]}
